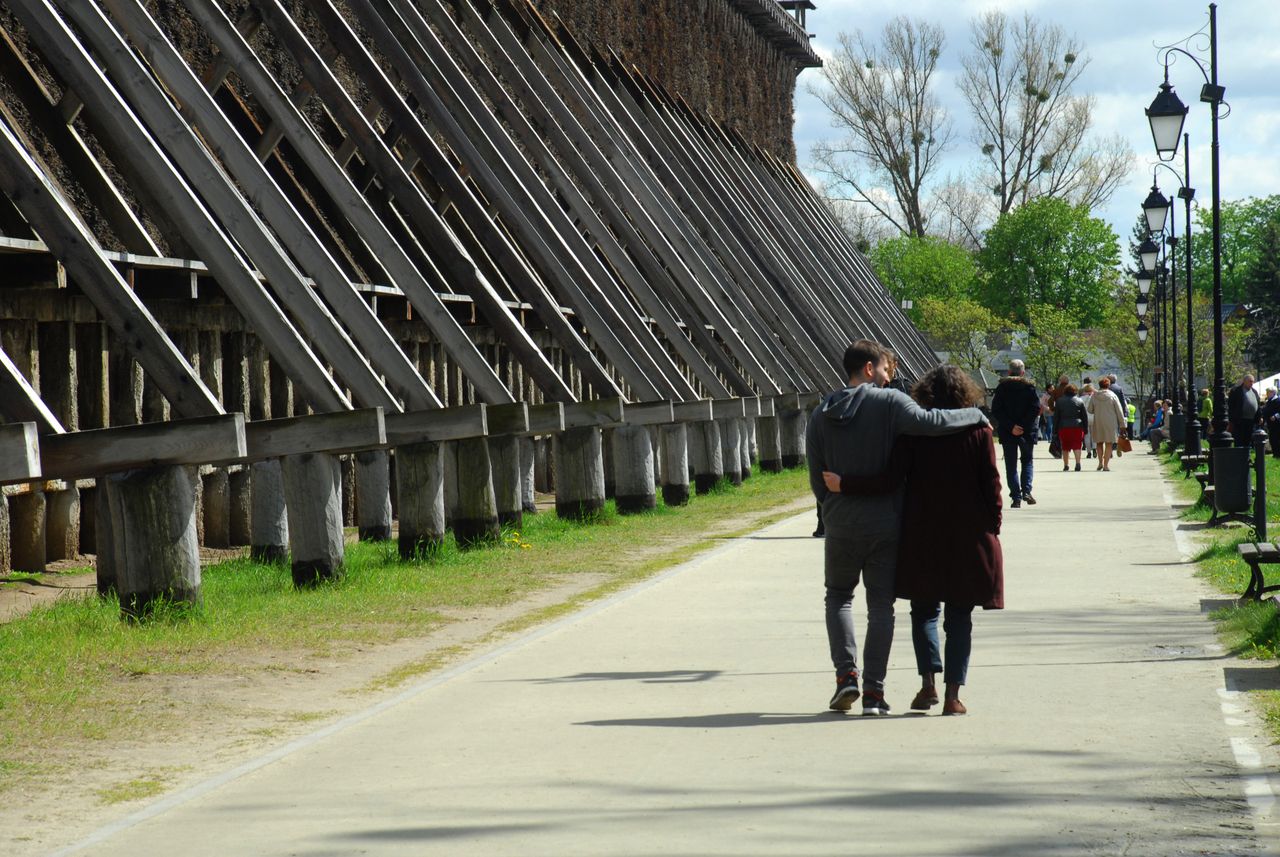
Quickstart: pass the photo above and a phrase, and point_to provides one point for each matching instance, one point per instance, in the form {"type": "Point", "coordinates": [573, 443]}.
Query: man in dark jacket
{"type": "Point", "coordinates": [853, 431]}
{"type": "Point", "coordinates": [1016, 408]}
{"type": "Point", "coordinates": [1242, 411]}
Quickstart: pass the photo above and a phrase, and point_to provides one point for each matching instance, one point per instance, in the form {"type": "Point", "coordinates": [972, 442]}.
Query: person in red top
{"type": "Point", "coordinates": [949, 547]}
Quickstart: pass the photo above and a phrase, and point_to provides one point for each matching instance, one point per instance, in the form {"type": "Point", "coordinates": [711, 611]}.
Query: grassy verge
{"type": "Point", "coordinates": [1252, 630]}
{"type": "Point", "coordinates": [69, 670]}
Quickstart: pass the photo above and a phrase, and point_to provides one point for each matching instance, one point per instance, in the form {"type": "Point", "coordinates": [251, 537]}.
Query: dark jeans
{"type": "Point", "coordinates": [958, 626]}
{"type": "Point", "coordinates": [1016, 448]}
{"type": "Point", "coordinates": [872, 561]}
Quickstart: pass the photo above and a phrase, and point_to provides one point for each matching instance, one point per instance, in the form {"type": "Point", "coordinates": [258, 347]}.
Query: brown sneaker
{"type": "Point", "coordinates": [954, 706]}
{"type": "Point", "coordinates": [925, 699]}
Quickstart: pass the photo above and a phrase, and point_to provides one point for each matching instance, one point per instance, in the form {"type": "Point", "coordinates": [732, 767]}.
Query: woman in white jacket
{"type": "Point", "coordinates": [1108, 421]}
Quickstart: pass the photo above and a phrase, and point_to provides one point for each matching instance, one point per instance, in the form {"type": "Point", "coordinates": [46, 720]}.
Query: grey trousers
{"type": "Point", "coordinates": [871, 560]}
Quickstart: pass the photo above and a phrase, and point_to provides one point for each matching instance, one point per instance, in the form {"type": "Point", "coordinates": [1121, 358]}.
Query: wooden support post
{"type": "Point", "coordinates": [6, 557]}
{"type": "Point", "coordinates": [606, 451]}
{"type": "Point", "coordinates": [313, 497]}
{"type": "Point", "coordinates": [373, 495]}
{"type": "Point", "coordinates": [769, 444]}
{"type": "Point", "coordinates": [504, 457]}
{"type": "Point", "coordinates": [705, 455]}
{"type": "Point", "coordinates": [347, 470]}
{"type": "Point", "coordinates": [105, 558]}
{"type": "Point", "coordinates": [675, 464]}
{"type": "Point", "coordinates": [633, 469]}
{"type": "Point", "coordinates": [125, 382]}
{"type": "Point", "coordinates": [91, 373]}
{"type": "Point", "coordinates": [543, 479]}
{"type": "Point", "coordinates": [215, 502]}
{"type": "Point", "coordinates": [62, 524]}
{"type": "Point", "coordinates": [420, 498]}
{"type": "Point", "coordinates": [579, 473]}
{"type": "Point", "coordinates": [240, 489]}
{"type": "Point", "coordinates": [269, 530]}
{"type": "Point", "coordinates": [58, 371]}
{"type": "Point", "coordinates": [89, 520]}
{"type": "Point", "coordinates": [153, 522]}
{"type": "Point", "coordinates": [730, 449]}
{"type": "Point", "coordinates": [528, 464]}
{"type": "Point", "coordinates": [474, 515]}
{"type": "Point", "coordinates": [27, 523]}
{"type": "Point", "coordinates": [791, 429]}
{"type": "Point", "coordinates": [745, 426]}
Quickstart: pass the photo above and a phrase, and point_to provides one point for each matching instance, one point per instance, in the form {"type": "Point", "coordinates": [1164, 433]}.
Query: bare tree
{"type": "Point", "coordinates": [1032, 131]}
{"type": "Point", "coordinates": [896, 129]}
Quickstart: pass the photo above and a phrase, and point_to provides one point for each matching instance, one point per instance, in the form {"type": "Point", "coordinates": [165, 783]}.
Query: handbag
{"type": "Point", "coordinates": [1123, 444]}
{"type": "Point", "coordinates": [1055, 446]}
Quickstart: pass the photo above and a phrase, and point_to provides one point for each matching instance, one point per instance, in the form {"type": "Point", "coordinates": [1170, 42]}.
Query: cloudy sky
{"type": "Point", "coordinates": [1123, 75]}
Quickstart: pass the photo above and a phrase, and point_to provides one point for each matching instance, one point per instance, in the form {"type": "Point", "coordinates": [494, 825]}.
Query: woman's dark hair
{"type": "Point", "coordinates": [947, 387]}
{"type": "Point", "coordinates": [1070, 390]}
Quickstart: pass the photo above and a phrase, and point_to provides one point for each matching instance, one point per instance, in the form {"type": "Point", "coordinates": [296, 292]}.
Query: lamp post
{"type": "Point", "coordinates": [1166, 116]}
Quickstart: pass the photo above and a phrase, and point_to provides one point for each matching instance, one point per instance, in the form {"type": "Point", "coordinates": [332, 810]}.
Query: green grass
{"type": "Point", "coordinates": [73, 670]}
{"type": "Point", "coordinates": [1189, 489]}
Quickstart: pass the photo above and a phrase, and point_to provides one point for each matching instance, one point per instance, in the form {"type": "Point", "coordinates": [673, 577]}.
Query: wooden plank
{"type": "Point", "coordinates": [204, 440]}
{"type": "Point", "coordinates": [508, 419]}
{"type": "Point", "coordinates": [278, 212]}
{"type": "Point", "coordinates": [19, 401]}
{"type": "Point", "coordinates": [547, 418]}
{"type": "Point", "coordinates": [727, 408]}
{"type": "Point", "coordinates": [445, 247]}
{"type": "Point", "coordinates": [154, 106]}
{"type": "Point", "coordinates": [691, 412]}
{"type": "Point", "coordinates": [338, 432]}
{"type": "Point", "coordinates": [438, 425]}
{"type": "Point", "coordinates": [767, 406]}
{"type": "Point", "coordinates": [594, 413]}
{"type": "Point", "coordinates": [573, 275]}
{"type": "Point", "coordinates": [19, 453]}
{"type": "Point", "coordinates": [649, 413]}
{"type": "Point", "coordinates": [117, 125]}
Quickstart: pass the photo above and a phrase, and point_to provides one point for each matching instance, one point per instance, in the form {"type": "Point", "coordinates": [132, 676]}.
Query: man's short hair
{"type": "Point", "coordinates": [1017, 367]}
{"type": "Point", "coordinates": [861, 352]}
{"type": "Point", "coordinates": [1113, 378]}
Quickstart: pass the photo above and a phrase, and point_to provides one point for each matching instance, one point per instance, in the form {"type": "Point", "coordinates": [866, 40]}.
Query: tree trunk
{"type": "Point", "coordinates": [270, 524]}
{"type": "Point", "coordinates": [579, 473]}
{"type": "Point", "coordinates": [62, 524]}
{"type": "Point", "coordinates": [240, 490]}
{"type": "Point", "coordinates": [706, 455]}
{"type": "Point", "coordinates": [373, 495]}
{"type": "Point", "coordinates": [633, 469]}
{"type": "Point", "coordinates": [791, 429]}
{"type": "Point", "coordinates": [528, 464]}
{"type": "Point", "coordinates": [504, 457]}
{"type": "Point", "coordinates": [27, 523]}
{"type": "Point", "coordinates": [474, 518]}
{"type": "Point", "coordinates": [153, 523]}
{"type": "Point", "coordinates": [216, 508]}
{"type": "Point", "coordinates": [769, 444]}
{"type": "Point", "coordinates": [675, 464]}
{"type": "Point", "coordinates": [313, 497]}
{"type": "Point", "coordinates": [420, 498]}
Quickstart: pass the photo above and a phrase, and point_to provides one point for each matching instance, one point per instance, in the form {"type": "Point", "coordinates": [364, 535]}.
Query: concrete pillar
{"type": "Point", "coordinates": [675, 464]}
{"type": "Point", "coordinates": [504, 459]}
{"type": "Point", "coordinates": [153, 519]}
{"type": "Point", "coordinates": [528, 464]}
{"type": "Point", "coordinates": [27, 527]}
{"type": "Point", "coordinates": [420, 498]}
{"type": "Point", "coordinates": [633, 469]}
{"type": "Point", "coordinates": [474, 516]}
{"type": "Point", "coordinates": [579, 473]}
{"type": "Point", "coordinates": [313, 498]}
{"type": "Point", "coordinates": [269, 527]}
{"type": "Point", "coordinates": [769, 444]}
{"type": "Point", "coordinates": [215, 508]}
{"type": "Point", "coordinates": [62, 524]}
{"type": "Point", "coordinates": [373, 495]}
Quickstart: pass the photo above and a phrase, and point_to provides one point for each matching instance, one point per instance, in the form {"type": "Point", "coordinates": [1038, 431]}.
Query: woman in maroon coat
{"type": "Point", "coordinates": [949, 549]}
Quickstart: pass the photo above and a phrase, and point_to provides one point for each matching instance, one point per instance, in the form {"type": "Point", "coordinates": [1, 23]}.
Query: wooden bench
{"type": "Point", "coordinates": [1206, 490]}
{"type": "Point", "coordinates": [1191, 463]}
{"type": "Point", "coordinates": [1258, 554]}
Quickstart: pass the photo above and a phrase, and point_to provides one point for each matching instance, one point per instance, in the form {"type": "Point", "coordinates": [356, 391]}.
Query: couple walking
{"type": "Point", "coordinates": [910, 496]}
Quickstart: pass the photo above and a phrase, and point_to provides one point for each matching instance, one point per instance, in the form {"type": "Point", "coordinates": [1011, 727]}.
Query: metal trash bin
{"type": "Point", "coordinates": [1232, 483]}
{"type": "Point", "coordinates": [1177, 429]}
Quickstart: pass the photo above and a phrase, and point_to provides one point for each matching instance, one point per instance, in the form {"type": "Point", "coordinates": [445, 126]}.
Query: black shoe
{"type": "Point", "coordinates": [1029, 500]}
{"type": "Point", "coordinates": [1077, 467]}
{"type": "Point", "coordinates": [1016, 504]}
{"type": "Point", "coordinates": [819, 533]}
{"type": "Point", "coordinates": [846, 692]}
{"type": "Point", "coordinates": [873, 704]}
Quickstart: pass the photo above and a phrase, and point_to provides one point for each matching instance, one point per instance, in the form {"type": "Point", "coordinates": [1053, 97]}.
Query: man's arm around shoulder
{"type": "Point", "coordinates": [910, 418]}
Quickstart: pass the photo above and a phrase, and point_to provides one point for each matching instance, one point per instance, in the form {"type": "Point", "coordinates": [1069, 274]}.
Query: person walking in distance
{"type": "Point", "coordinates": [1072, 422]}
{"type": "Point", "coordinates": [1242, 411]}
{"type": "Point", "coordinates": [852, 432]}
{"type": "Point", "coordinates": [1108, 421]}
{"type": "Point", "coordinates": [1124, 403]}
{"type": "Point", "coordinates": [1270, 414]}
{"type": "Point", "coordinates": [953, 493]}
{"type": "Point", "coordinates": [1016, 409]}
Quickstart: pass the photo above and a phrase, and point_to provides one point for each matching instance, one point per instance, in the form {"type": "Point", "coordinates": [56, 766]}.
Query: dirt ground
{"type": "Point", "coordinates": [232, 718]}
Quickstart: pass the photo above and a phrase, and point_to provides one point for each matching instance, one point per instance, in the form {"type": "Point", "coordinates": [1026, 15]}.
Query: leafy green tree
{"type": "Point", "coordinates": [919, 268]}
{"type": "Point", "coordinates": [1056, 345]}
{"type": "Point", "coordinates": [1049, 252]}
{"type": "Point", "coordinates": [1262, 291]}
{"type": "Point", "coordinates": [1118, 336]}
{"type": "Point", "coordinates": [1244, 226]}
{"type": "Point", "coordinates": [962, 327]}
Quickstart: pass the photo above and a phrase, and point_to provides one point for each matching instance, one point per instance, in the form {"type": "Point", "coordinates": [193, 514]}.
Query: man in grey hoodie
{"type": "Point", "coordinates": [852, 432]}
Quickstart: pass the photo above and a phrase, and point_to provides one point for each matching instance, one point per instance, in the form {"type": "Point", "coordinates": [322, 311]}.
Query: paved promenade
{"type": "Point", "coordinates": [688, 717]}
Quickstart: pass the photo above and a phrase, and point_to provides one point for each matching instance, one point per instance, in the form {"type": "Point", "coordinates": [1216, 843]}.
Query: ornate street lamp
{"type": "Point", "coordinates": [1142, 306]}
{"type": "Point", "coordinates": [1149, 253]}
{"type": "Point", "coordinates": [1144, 279]}
{"type": "Point", "coordinates": [1142, 331]}
{"type": "Point", "coordinates": [1165, 116]}
{"type": "Point", "coordinates": [1156, 209]}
